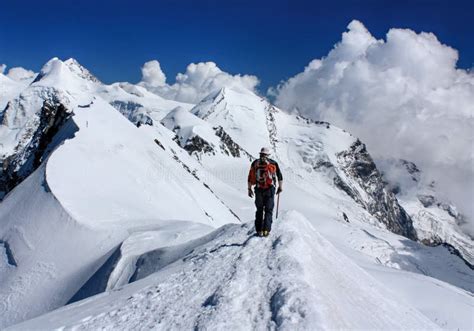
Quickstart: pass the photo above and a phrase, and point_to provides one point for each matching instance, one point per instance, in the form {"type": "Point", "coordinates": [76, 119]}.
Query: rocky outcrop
{"type": "Point", "coordinates": [126, 108]}
{"type": "Point", "coordinates": [8, 252]}
{"type": "Point", "coordinates": [229, 146]}
{"type": "Point", "coordinates": [367, 187]}
{"type": "Point", "coordinates": [197, 146]}
{"type": "Point", "coordinates": [26, 159]}
{"type": "Point", "coordinates": [436, 221]}
{"type": "Point", "coordinates": [270, 112]}
{"type": "Point", "coordinates": [133, 111]}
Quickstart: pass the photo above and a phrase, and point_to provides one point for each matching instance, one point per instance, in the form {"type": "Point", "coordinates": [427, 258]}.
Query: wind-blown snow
{"type": "Point", "coordinates": [107, 179]}
{"type": "Point", "coordinates": [238, 281]}
{"type": "Point", "coordinates": [108, 171]}
{"type": "Point", "coordinates": [51, 261]}
{"type": "Point", "coordinates": [404, 92]}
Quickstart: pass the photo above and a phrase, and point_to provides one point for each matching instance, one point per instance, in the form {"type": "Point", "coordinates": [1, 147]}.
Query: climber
{"type": "Point", "coordinates": [264, 173]}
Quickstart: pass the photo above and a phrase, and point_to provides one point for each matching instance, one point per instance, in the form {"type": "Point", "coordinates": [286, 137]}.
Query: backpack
{"type": "Point", "coordinates": [265, 174]}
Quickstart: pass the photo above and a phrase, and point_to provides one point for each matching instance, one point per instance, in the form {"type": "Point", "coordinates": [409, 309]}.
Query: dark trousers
{"type": "Point", "coordinates": [264, 201]}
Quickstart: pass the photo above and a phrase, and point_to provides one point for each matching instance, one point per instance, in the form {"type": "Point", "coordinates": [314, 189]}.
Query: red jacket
{"type": "Point", "coordinates": [264, 175]}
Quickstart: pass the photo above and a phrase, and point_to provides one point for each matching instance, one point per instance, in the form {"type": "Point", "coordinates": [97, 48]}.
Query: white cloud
{"type": "Point", "coordinates": [20, 74]}
{"type": "Point", "coordinates": [404, 97]}
{"type": "Point", "coordinates": [197, 82]}
{"type": "Point", "coordinates": [152, 75]}
{"type": "Point", "coordinates": [2, 68]}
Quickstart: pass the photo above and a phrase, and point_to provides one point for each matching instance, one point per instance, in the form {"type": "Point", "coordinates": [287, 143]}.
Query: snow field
{"type": "Point", "coordinates": [237, 281]}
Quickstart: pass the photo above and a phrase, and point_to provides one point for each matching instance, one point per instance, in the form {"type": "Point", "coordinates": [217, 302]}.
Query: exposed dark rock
{"type": "Point", "coordinates": [142, 119]}
{"type": "Point", "coordinates": [76, 68]}
{"type": "Point", "coordinates": [129, 110]}
{"type": "Point", "coordinates": [159, 144]}
{"type": "Point", "coordinates": [198, 145]}
{"type": "Point", "coordinates": [229, 145]}
{"type": "Point", "coordinates": [270, 112]}
{"type": "Point", "coordinates": [426, 200]}
{"type": "Point", "coordinates": [346, 188]}
{"type": "Point", "coordinates": [381, 203]}
{"type": "Point", "coordinates": [86, 106]}
{"type": "Point", "coordinates": [321, 164]}
{"type": "Point", "coordinates": [15, 168]}
{"type": "Point", "coordinates": [411, 167]}
{"type": "Point", "coordinates": [10, 258]}
{"type": "Point", "coordinates": [395, 189]}
{"type": "Point", "coordinates": [185, 166]}
{"type": "Point", "coordinates": [193, 172]}
{"type": "Point", "coordinates": [344, 215]}
{"type": "Point", "coordinates": [79, 70]}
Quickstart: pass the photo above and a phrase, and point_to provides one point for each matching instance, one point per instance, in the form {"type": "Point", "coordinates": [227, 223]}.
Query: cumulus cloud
{"type": "Point", "coordinates": [152, 75]}
{"type": "Point", "coordinates": [197, 82]}
{"type": "Point", "coordinates": [2, 68]}
{"type": "Point", "coordinates": [20, 74]}
{"type": "Point", "coordinates": [403, 96]}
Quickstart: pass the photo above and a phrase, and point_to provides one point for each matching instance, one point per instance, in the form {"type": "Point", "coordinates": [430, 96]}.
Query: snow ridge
{"type": "Point", "coordinates": [147, 189]}
{"type": "Point", "coordinates": [238, 281]}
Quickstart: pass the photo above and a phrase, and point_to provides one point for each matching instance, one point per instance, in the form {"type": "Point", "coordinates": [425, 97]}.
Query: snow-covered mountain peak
{"type": "Point", "coordinates": [188, 125]}
{"type": "Point", "coordinates": [179, 116]}
{"type": "Point", "coordinates": [242, 114]}
{"type": "Point", "coordinates": [133, 196]}
{"type": "Point", "coordinates": [52, 67]}
{"type": "Point", "coordinates": [200, 138]}
{"type": "Point", "coordinates": [66, 75]}
{"type": "Point", "coordinates": [81, 71]}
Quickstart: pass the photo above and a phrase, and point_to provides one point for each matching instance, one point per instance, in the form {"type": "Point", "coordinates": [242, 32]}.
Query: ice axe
{"type": "Point", "coordinates": [278, 204]}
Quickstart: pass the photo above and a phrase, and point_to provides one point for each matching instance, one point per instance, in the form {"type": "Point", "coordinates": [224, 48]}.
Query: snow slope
{"type": "Point", "coordinates": [237, 281]}
{"type": "Point", "coordinates": [105, 179]}
{"type": "Point", "coordinates": [53, 252]}
{"type": "Point", "coordinates": [239, 113]}
{"type": "Point", "coordinates": [189, 126]}
{"type": "Point", "coordinates": [113, 203]}
{"type": "Point", "coordinates": [317, 153]}
{"type": "Point", "coordinates": [111, 168]}
{"type": "Point", "coordinates": [436, 219]}
{"type": "Point", "coordinates": [138, 104]}
{"type": "Point", "coordinates": [9, 89]}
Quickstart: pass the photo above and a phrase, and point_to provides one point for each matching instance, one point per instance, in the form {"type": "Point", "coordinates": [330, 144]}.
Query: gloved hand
{"type": "Point", "coordinates": [279, 190]}
{"type": "Point", "coordinates": [250, 192]}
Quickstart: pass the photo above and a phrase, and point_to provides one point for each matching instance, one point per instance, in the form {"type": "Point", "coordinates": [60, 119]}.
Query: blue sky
{"type": "Point", "coordinates": [270, 39]}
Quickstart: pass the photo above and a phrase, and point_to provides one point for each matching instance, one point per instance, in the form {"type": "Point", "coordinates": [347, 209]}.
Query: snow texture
{"type": "Point", "coordinates": [238, 281]}
{"type": "Point", "coordinates": [129, 200]}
